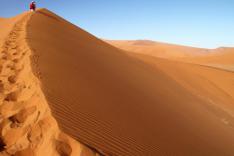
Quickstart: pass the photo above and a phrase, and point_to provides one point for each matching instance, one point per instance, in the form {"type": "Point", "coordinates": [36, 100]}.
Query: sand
{"type": "Point", "coordinates": [221, 58]}
{"type": "Point", "coordinates": [96, 99]}
{"type": "Point", "coordinates": [27, 126]}
{"type": "Point", "coordinates": [158, 49]}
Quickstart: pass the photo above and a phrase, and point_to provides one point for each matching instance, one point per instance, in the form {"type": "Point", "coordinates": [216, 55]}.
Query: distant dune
{"type": "Point", "coordinates": [157, 49]}
{"type": "Point", "coordinates": [105, 100]}
{"type": "Point", "coordinates": [221, 58]}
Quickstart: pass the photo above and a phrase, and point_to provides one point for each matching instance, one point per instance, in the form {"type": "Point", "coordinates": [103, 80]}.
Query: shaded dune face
{"type": "Point", "coordinates": [116, 103]}
{"type": "Point", "coordinates": [27, 127]}
{"type": "Point", "coordinates": [23, 108]}
{"type": "Point", "coordinates": [208, 83]}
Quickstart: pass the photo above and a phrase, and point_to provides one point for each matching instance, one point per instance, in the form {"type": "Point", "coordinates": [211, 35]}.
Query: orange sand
{"type": "Point", "coordinates": [123, 103]}
{"type": "Point", "coordinates": [221, 58]}
{"type": "Point", "coordinates": [27, 127]}
{"type": "Point", "coordinates": [158, 49]}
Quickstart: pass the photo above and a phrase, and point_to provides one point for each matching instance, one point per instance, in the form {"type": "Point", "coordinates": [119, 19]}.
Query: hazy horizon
{"type": "Point", "coordinates": [199, 24]}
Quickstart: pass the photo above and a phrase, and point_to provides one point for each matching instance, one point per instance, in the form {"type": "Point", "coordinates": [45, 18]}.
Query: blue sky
{"type": "Point", "coordinates": [199, 23]}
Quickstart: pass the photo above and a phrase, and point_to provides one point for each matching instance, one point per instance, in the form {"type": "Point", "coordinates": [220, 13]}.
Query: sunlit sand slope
{"type": "Point", "coordinates": [27, 127]}
{"type": "Point", "coordinates": [222, 58]}
{"type": "Point", "coordinates": [120, 104]}
{"type": "Point", "coordinates": [157, 49]}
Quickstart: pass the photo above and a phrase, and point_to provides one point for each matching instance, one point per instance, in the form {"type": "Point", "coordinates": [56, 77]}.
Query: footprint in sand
{"type": "Point", "coordinates": [15, 60]}
{"type": "Point", "coordinates": [22, 116]}
{"type": "Point", "coordinates": [12, 79]}
{"type": "Point", "coordinates": [1, 86]}
{"type": "Point", "coordinates": [13, 96]}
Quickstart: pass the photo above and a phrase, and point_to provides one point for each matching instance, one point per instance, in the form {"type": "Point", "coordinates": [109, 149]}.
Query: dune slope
{"type": "Point", "coordinates": [116, 103]}
{"type": "Point", "coordinates": [6, 26]}
{"type": "Point", "coordinates": [158, 49]}
{"type": "Point", "coordinates": [27, 127]}
{"type": "Point", "coordinates": [221, 58]}
{"type": "Point", "coordinates": [210, 84]}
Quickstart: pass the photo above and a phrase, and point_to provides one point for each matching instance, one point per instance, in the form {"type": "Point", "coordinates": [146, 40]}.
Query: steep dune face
{"type": "Point", "coordinates": [119, 104]}
{"type": "Point", "coordinates": [158, 49]}
{"type": "Point", "coordinates": [27, 127]}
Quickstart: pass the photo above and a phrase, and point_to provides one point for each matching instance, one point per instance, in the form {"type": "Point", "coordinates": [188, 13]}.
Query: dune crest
{"type": "Point", "coordinates": [65, 92]}
{"type": "Point", "coordinates": [121, 105]}
{"type": "Point", "coordinates": [27, 127]}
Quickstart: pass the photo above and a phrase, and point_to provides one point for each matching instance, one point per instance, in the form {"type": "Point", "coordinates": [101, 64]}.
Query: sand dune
{"type": "Point", "coordinates": [6, 26]}
{"type": "Point", "coordinates": [27, 127]}
{"type": "Point", "coordinates": [114, 102]}
{"type": "Point", "coordinates": [218, 89]}
{"type": "Point", "coordinates": [221, 58]}
{"type": "Point", "coordinates": [219, 55]}
{"type": "Point", "coordinates": [157, 49]}
{"type": "Point", "coordinates": [120, 104]}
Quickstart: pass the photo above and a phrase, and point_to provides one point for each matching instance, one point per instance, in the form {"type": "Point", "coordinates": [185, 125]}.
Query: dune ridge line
{"type": "Point", "coordinates": [27, 126]}
{"type": "Point", "coordinates": [127, 105]}
{"type": "Point", "coordinates": [57, 79]}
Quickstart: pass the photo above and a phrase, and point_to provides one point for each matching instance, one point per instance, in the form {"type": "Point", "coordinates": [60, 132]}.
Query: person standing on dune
{"type": "Point", "coordinates": [33, 6]}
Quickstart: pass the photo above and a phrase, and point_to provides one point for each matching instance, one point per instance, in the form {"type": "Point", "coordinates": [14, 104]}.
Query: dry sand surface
{"type": "Point", "coordinates": [115, 102]}
{"type": "Point", "coordinates": [27, 127]}
{"type": "Point", "coordinates": [221, 58]}
{"type": "Point", "coordinates": [157, 49]}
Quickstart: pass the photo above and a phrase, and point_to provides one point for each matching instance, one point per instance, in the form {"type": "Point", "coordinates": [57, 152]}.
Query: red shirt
{"type": "Point", "coordinates": [32, 6]}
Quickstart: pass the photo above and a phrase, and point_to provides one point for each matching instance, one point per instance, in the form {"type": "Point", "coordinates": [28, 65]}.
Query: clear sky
{"type": "Point", "coordinates": [199, 23]}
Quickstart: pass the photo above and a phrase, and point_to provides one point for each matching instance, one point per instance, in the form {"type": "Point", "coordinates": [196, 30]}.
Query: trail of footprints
{"type": "Point", "coordinates": [27, 127]}
{"type": "Point", "coordinates": [21, 107]}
